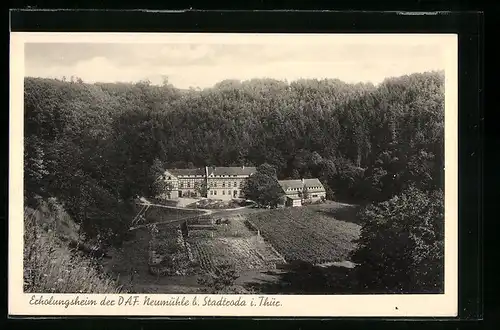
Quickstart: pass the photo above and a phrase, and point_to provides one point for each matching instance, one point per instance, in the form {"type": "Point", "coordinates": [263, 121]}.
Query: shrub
{"type": "Point", "coordinates": [220, 281]}
{"type": "Point", "coordinates": [401, 245]}
{"type": "Point", "coordinates": [50, 266]}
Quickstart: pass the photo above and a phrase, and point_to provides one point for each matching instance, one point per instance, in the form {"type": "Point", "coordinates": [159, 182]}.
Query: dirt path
{"type": "Point", "coordinates": [234, 243]}
{"type": "Point", "coordinates": [227, 242]}
{"type": "Point", "coordinates": [177, 207]}
{"type": "Point", "coordinates": [222, 212]}
{"type": "Point", "coordinates": [144, 201]}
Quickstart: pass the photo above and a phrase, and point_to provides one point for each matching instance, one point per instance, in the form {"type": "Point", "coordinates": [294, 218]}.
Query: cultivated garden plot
{"type": "Point", "coordinates": [168, 252]}
{"type": "Point", "coordinates": [242, 253]}
{"type": "Point", "coordinates": [229, 241]}
{"type": "Point", "coordinates": [232, 227]}
{"type": "Point", "coordinates": [306, 235]}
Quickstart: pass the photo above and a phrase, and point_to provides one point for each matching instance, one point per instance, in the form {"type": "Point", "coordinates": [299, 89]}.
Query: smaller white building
{"type": "Point", "coordinates": [293, 201]}
{"type": "Point", "coordinates": [305, 190]}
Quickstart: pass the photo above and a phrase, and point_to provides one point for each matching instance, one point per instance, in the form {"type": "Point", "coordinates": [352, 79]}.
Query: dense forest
{"type": "Point", "coordinates": [96, 146]}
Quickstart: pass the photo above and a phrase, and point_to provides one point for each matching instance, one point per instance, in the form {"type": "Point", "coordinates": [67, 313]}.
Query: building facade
{"type": "Point", "coordinates": [227, 182]}
{"type": "Point", "coordinates": [224, 183]}
{"type": "Point", "coordinates": [299, 191]}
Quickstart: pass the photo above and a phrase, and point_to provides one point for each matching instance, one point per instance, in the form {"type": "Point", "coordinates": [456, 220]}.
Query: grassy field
{"type": "Point", "coordinates": [162, 214]}
{"type": "Point", "coordinates": [307, 234]}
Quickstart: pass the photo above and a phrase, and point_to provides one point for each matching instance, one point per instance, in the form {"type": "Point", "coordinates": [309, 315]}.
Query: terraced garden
{"type": "Point", "coordinates": [306, 235]}
{"type": "Point", "coordinates": [230, 241]}
{"type": "Point", "coordinates": [243, 254]}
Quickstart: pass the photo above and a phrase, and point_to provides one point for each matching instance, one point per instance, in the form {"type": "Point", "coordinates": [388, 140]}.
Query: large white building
{"type": "Point", "coordinates": [223, 183]}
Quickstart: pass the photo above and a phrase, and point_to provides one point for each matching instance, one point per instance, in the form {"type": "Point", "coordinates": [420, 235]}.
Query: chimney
{"type": "Point", "coordinates": [243, 167]}
{"type": "Point", "coordinates": [302, 181]}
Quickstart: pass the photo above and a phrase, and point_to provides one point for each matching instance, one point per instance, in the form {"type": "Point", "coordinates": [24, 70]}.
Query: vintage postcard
{"type": "Point", "coordinates": [233, 174]}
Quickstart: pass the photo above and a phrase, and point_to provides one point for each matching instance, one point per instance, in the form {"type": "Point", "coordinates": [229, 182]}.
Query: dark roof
{"type": "Point", "coordinates": [298, 184]}
{"type": "Point", "coordinates": [216, 170]}
{"type": "Point", "coordinates": [243, 170]}
{"type": "Point", "coordinates": [186, 171]}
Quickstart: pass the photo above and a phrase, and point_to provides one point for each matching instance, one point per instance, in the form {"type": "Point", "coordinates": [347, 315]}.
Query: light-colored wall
{"type": "Point", "coordinates": [218, 187]}
{"type": "Point", "coordinates": [183, 185]}
{"type": "Point", "coordinates": [317, 195]}
{"type": "Point", "coordinates": [169, 195]}
{"type": "Point", "coordinates": [314, 195]}
{"type": "Point", "coordinates": [172, 180]}
{"type": "Point", "coordinates": [187, 185]}
{"type": "Point", "coordinates": [224, 187]}
{"type": "Point", "coordinates": [292, 193]}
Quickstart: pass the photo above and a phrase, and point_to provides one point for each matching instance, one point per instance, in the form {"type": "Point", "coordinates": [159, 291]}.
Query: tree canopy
{"type": "Point", "coordinates": [401, 248]}
{"type": "Point", "coordinates": [263, 188]}
{"type": "Point", "coordinates": [89, 144]}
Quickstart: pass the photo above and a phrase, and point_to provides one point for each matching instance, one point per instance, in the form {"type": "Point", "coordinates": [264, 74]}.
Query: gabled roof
{"type": "Point", "coordinates": [186, 171]}
{"type": "Point", "coordinates": [215, 170]}
{"type": "Point", "coordinates": [310, 184]}
{"type": "Point", "coordinates": [235, 170]}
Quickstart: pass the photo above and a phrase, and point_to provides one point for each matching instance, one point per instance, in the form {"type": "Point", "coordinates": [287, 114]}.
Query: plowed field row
{"type": "Point", "coordinates": [306, 235]}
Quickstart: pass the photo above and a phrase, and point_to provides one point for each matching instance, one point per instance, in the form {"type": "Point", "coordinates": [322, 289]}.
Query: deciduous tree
{"type": "Point", "coordinates": [263, 188]}
{"type": "Point", "coordinates": [401, 244]}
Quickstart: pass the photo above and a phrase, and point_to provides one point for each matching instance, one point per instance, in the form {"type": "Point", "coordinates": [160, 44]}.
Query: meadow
{"type": "Point", "coordinates": [163, 214]}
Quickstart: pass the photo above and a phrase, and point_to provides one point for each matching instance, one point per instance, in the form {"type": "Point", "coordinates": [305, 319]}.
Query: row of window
{"type": "Point", "coordinates": [315, 195]}
{"type": "Point", "coordinates": [211, 176]}
{"type": "Point", "coordinates": [224, 176]}
{"type": "Point", "coordinates": [212, 184]}
{"type": "Point", "coordinates": [201, 176]}
{"type": "Point", "coordinates": [297, 189]}
{"type": "Point", "coordinates": [214, 192]}
{"type": "Point", "coordinates": [188, 194]}
{"type": "Point", "coordinates": [226, 184]}
{"type": "Point", "coordinates": [187, 185]}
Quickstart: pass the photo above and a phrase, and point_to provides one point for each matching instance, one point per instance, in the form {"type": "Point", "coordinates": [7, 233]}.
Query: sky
{"type": "Point", "coordinates": [201, 65]}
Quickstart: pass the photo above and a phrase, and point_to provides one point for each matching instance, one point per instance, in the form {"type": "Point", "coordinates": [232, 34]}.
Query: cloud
{"type": "Point", "coordinates": [203, 65]}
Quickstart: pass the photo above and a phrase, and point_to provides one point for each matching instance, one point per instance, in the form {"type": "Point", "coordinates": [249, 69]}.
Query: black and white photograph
{"type": "Point", "coordinates": [238, 165]}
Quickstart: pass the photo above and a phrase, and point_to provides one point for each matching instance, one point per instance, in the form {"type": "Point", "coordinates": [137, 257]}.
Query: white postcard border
{"type": "Point", "coordinates": [431, 305]}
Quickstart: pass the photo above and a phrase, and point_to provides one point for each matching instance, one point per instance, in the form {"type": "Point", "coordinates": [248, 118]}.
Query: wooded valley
{"type": "Point", "coordinates": [95, 147]}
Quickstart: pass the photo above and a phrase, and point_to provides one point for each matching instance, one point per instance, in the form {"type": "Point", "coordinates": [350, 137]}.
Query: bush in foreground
{"type": "Point", "coordinates": [51, 267]}
{"type": "Point", "coordinates": [401, 246]}
{"type": "Point", "coordinates": [220, 281]}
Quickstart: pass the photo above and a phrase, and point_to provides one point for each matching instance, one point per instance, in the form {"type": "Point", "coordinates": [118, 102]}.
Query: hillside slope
{"type": "Point", "coordinates": [50, 265]}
